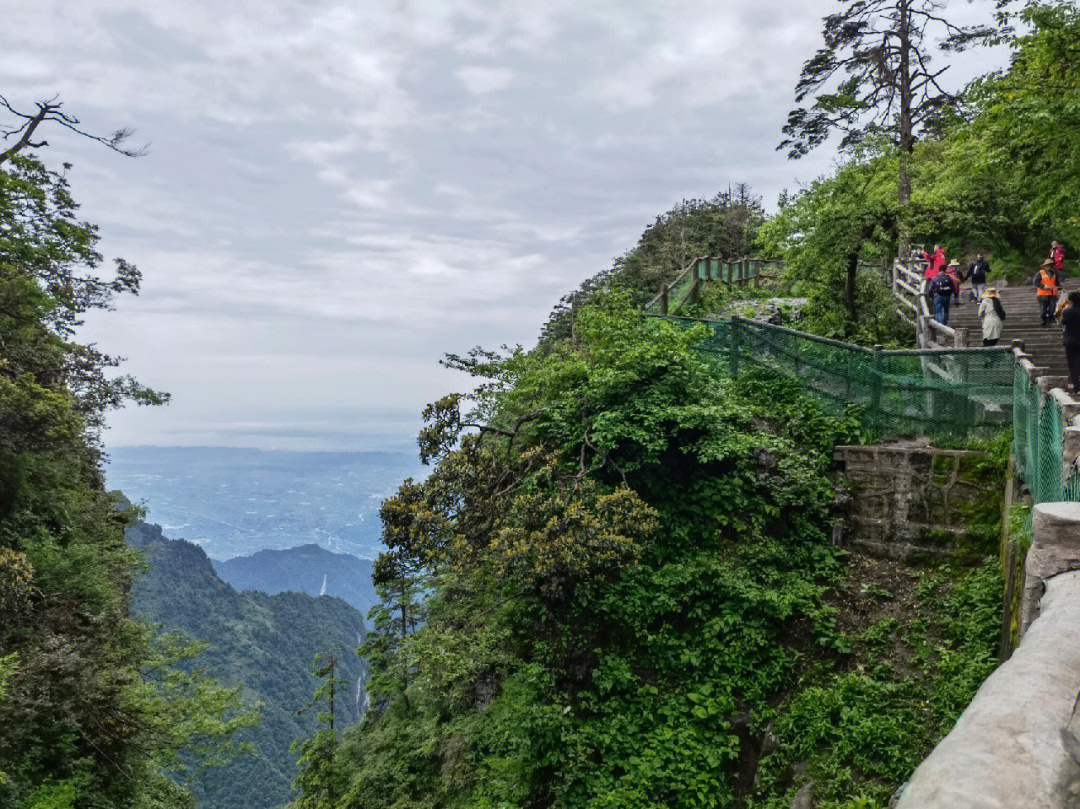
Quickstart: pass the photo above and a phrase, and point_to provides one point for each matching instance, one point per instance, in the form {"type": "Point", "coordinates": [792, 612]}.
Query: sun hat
{"type": "Point", "coordinates": [1048, 263]}
{"type": "Point", "coordinates": [990, 292]}
{"type": "Point", "coordinates": [954, 263]}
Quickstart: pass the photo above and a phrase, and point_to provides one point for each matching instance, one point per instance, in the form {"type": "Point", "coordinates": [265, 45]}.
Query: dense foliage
{"type": "Point", "coordinates": [260, 643]}
{"type": "Point", "coordinates": [725, 225]}
{"type": "Point", "coordinates": [615, 586]}
{"type": "Point", "coordinates": [93, 710]}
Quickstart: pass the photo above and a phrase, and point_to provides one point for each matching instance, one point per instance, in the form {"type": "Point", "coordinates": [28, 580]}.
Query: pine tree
{"type": "Point", "coordinates": [320, 782]}
{"type": "Point", "coordinates": [874, 77]}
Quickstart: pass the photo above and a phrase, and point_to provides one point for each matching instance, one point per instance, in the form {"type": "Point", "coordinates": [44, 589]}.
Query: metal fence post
{"type": "Point", "coordinates": [875, 391]}
{"type": "Point", "coordinates": [736, 337]}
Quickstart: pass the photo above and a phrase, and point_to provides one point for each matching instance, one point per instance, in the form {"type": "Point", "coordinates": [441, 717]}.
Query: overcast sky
{"type": "Point", "coordinates": [337, 193]}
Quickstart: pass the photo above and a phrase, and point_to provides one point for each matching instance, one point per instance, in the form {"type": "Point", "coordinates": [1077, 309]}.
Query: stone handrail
{"type": "Point", "coordinates": [1018, 743]}
{"type": "Point", "coordinates": [1015, 746]}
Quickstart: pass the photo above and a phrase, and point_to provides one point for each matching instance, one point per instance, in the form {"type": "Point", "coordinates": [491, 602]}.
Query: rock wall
{"type": "Point", "coordinates": [911, 500]}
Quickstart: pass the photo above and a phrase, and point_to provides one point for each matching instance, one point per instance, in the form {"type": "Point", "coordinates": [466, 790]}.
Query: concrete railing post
{"type": "Point", "coordinates": [1055, 549]}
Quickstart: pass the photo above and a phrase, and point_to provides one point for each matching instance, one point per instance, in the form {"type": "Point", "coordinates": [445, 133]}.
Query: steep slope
{"type": "Point", "coordinates": [264, 642]}
{"type": "Point", "coordinates": [307, 569]}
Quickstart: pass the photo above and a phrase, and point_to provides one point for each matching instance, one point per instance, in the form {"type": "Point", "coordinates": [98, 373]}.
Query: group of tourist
{"type": "Point", "coordinates": [944, 279]}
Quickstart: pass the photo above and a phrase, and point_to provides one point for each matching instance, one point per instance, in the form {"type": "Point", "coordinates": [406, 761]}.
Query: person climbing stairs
{"type": "Point", "coordinates": [1021, 323]}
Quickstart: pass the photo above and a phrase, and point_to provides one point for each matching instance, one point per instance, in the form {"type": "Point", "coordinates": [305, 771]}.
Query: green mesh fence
{"type": "Point", "coordinates": [1039, 443]}
{"type": "Point", "coordinates": [946, 394]}
{"type": "Point", "coordinates": [943, 394]}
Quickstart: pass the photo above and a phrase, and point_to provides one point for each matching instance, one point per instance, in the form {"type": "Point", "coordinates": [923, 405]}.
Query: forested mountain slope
{"type": "Point", "coordinates": [266, 643]}
{"type": "Point", "coordinates": [307, 569]}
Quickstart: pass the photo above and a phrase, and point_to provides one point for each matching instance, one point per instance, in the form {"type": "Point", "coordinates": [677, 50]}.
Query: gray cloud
{"type": "Point", "coordinates": [338, 193]}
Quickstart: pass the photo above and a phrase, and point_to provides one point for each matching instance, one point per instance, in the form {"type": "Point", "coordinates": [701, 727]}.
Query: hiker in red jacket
{"type": "Point", "coordinates": [1057, 255]}
{"type": "Point", "coordinates": [935, 262]}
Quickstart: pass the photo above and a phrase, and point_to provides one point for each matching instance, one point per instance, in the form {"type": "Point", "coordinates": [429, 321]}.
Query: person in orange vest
{"type": "Point", "coordinates": [1047, 287]}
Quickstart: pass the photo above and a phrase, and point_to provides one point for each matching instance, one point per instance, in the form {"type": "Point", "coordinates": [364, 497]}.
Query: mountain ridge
{"type": "Point", "coordinates": [263, 642]}
{"type": "Point", "coordinates": [307, 568]}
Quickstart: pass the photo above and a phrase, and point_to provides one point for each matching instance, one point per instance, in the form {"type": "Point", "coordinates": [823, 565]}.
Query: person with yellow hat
{"type": "Point", "coordinates": [956, 274]}
{"type": "Point", "coordinates": [1047, 287]}
{"type": "Point", "coordinates": [992, 315]}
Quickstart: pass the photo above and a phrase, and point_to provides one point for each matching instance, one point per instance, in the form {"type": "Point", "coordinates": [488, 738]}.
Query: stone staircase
{"type": "Point", "coordinates": [1021, 323]}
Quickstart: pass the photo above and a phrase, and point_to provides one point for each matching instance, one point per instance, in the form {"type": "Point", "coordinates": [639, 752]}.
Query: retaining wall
{"type": "Point", "coordinates": [911, 501]}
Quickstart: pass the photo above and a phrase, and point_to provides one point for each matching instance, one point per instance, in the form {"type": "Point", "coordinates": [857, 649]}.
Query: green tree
{"type": "Point", "coordinates": [320, 782]}
{"type": "Point", "coordinates": [825, 232]}
{"type": "Point", "coordinates": [576, 543]}
{"type": "Point", "coordinates": [873, 77]}
{"type": "Point", "coordinates": [1027, 117]}
{"type": "Point", "coordinates": [90, 715]}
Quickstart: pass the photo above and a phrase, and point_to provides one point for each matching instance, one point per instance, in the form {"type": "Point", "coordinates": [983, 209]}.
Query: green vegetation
{"type": "Point", "coordinates": [94, 711]}
{"type": "Point", "coordinates": [992, 173]}
{"type": "Point", "coordinates": [617, 588]}
{"type": "Point", "coordinates": [726, 225]}
{"type": "Point", "coordinates": [259, 644]}
{"type": "Point", "coordinates": [908, 679]}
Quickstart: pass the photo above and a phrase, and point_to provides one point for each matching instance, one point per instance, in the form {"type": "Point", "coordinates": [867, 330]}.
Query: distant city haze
{"type": "Point", "coordinates": [338, 193]}
{"type": "Point", "coordinates": [235, 502]}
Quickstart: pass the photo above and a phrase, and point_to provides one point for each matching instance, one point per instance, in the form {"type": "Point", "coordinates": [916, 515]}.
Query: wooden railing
{"type": "Point", "coordinates": [913, 307]}
{"type": "Point", "coordinates": [686, 286]}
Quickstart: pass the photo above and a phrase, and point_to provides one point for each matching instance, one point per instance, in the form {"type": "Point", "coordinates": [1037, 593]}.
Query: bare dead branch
{"type": "Point", "coordinates": [50, 111]}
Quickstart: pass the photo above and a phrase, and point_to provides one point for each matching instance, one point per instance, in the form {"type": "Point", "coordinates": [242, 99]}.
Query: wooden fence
{"type": "Point", "coordinates": [913, 306]}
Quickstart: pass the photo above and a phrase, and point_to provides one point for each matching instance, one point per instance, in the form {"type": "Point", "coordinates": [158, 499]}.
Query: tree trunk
{"type": "Point", "coordinates": [849, 286]}
{"type": "Point", "coordinates": [333, 666]}
{"type": "Point", "coordinates": [905, 128]}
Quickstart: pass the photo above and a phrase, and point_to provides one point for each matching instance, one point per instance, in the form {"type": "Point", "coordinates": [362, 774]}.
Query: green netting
{"type": "Point", "coordinates": [951, 394]}
{"type": "Point", "coordinates": [945, 394]}
{"type": "Point", "coordinates": [1039, 443]}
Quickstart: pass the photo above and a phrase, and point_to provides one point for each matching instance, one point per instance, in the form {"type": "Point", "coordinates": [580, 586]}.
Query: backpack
{"type": "Point", "coordinates": [942, 285]}
{"type": "Point", "coordinates": [999, 309]}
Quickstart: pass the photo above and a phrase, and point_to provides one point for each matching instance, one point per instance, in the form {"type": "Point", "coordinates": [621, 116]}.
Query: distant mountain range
{"type": "Point", "coordinates": [266, 643]}
{"type": "Point", "coordinates": [307, 569]}
{"type": "Point", "coordinates": [234, 502]}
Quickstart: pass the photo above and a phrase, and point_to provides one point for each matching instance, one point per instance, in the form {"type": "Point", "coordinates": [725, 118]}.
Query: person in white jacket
{"type": "Point", "coordinates": [992, 315]}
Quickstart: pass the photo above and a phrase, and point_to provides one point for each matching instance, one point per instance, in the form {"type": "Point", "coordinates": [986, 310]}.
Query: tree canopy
{"type": "Point", "coordinates": [94, 709]}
